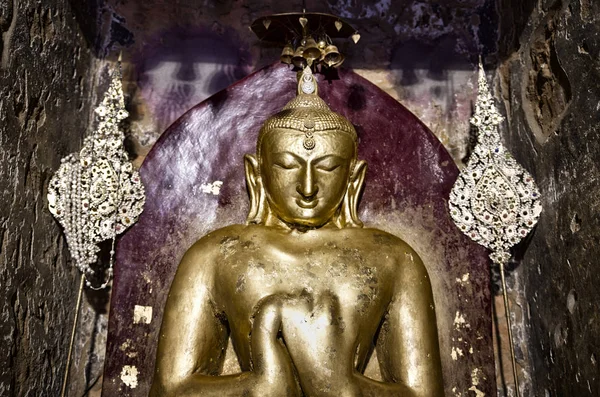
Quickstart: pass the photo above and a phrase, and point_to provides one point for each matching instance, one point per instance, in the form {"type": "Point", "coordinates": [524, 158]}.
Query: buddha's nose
{"type": "Point", "coordinates": [307, 186]}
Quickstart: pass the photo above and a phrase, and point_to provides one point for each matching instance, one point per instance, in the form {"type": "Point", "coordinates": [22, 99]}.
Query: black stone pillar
{"type": "Point", "coordinates": [46, 82]}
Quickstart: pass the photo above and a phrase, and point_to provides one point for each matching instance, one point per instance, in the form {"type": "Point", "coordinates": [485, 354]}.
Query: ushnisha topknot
{"type": "Point", "coordinates": [307, 113]}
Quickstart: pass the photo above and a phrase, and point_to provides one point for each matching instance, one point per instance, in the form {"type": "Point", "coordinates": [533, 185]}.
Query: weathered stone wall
{"type": "Point", "coordinates": [46, 84]}
{"type": "Point", "coordinates": [550, 87]}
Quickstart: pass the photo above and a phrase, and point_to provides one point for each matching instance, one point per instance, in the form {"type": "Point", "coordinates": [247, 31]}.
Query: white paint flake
{"type": "Point", "coordinates": [475, 376]}
{"type": "Point", "coordinates": [475, 382]}
{"type": "Point", "coordinates": [129, 376]}
{"type": "Point", "coordinates": [478, 393]}
{"type": "Point", "coordinates": [460, 322]}
{"type": "Point", "coordinates": [213, 188]}
{"type": "Point", "coordinates": [142, 314]}
{"type": "Point", "coordinates": [463, 280]}
{"type": "Point", "coordinates": [456, 353]}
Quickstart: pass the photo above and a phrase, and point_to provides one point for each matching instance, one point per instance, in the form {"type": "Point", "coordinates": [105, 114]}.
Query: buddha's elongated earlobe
{"type": "Point", "coordinates": [258, 204]}
{"type": "Point", "coordinates": [349, 211]}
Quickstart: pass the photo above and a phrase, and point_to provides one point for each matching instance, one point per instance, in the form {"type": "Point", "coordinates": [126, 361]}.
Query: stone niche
{"type": "Point", "coordinates": [408, 183]}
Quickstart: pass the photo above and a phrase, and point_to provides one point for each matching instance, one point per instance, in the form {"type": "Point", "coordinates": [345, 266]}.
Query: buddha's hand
{"type": "Point", "coordinates": [273, 367]}
{"type": "Point", "coordinates": [313, 331]}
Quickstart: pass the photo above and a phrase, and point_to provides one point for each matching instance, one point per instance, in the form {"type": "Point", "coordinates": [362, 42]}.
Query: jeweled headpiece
{"type": "Point", "coordinates": [307, 113]}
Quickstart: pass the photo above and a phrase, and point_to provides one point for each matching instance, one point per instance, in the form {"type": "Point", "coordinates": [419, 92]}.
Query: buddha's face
{"type": "Point", "coordinates": [306, 187]}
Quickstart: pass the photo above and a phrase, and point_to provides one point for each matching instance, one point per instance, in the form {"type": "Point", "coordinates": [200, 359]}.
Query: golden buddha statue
{"type": "Point", "coordinates": [303, 291]}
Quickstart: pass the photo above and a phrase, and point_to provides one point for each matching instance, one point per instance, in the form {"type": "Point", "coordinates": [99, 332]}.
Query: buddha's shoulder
{"type": "Point", "coordinates": [390, 246]}
{"type": "Point", "coordinates": [226, 235]}
{"type": "Point", "coordinates": [377, 237]}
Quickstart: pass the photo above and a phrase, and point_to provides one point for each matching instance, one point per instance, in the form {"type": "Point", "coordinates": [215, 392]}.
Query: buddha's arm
{"type": "Point", "coordinates": [407, 346]}
{"type": "Point", "coordinates": [193, 340]}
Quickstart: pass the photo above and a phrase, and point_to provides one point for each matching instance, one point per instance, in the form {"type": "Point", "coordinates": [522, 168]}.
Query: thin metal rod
{"type": "Point", "coordinates": [73, 331]}
{"type": "Point", "coordinates": [510, 336]}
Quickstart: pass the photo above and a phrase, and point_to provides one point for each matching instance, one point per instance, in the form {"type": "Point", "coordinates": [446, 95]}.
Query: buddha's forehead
{"type": "Point", "coordinates": [329, 142]}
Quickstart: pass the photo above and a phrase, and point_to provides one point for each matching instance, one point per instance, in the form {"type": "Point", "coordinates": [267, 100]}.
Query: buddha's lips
{"type": "Point", "coordinates": [307, 204]}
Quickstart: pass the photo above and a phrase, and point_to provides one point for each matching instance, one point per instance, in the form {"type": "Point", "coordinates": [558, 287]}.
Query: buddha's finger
{"type": "Point", "coordinates": [263, 338]}
{"type": "Point", "coordinates": [270, 357]}
{"type": "Point", "coordinates": [267, 319]}
{"type": "Point", "coordinates": [327, 307]}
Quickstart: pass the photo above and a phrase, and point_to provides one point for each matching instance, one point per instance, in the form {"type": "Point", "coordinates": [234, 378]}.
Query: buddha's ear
{"type": "Point", "coordinates": [349, 214]}
{"type": "Point", "coordinates": [258, 210]}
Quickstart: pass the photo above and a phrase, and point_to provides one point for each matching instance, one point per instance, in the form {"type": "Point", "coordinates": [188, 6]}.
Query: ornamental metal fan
{"type": "Point", "coordinates": [494, 201]}
{"type": "Point", "coordinates": [96, 194]}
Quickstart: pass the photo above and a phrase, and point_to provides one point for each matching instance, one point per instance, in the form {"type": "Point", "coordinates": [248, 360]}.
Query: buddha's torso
{"type": "Point", "coordinates": [303, 309]}
{"type": "Point", "coordinates": [355, 266]}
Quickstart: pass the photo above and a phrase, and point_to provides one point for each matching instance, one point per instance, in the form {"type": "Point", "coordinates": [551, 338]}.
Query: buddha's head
{"type": "Point", "coordinates": [305, 172]}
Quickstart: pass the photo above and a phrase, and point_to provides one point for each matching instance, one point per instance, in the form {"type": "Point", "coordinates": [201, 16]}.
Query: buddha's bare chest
{"type": "Point", "coordinates": [358, 277]}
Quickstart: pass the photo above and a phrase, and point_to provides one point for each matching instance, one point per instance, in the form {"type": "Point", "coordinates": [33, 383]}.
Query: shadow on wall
{"type": "Point", "coordinates": [178, 69]}
{"type": "Point", "coordinates": [437, 82]}
{"type": "Point", "coordinates": [414, 62]}
{"type": "Point", "coordinates": [87, 14]}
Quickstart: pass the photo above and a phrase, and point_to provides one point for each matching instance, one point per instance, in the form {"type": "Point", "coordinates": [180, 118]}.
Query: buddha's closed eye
{"type": "Point", "coordinates": [329, 163]}
{"type": "Point", "coordinates": [286, 161]}
{"type": "Point", "coordinates": [286, 165]}
{"type": "Point", "coordinates": [328, 167]}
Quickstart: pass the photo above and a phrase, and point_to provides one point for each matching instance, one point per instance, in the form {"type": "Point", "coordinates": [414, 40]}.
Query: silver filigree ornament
{"type": "Point", "coordinates": [494, 201]}
{"type": "Point", "coordinates": [96, 194]}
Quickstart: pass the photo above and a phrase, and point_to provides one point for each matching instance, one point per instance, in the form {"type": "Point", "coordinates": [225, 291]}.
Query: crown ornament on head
{"type": "Point", "coordinates": [308, 113]}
